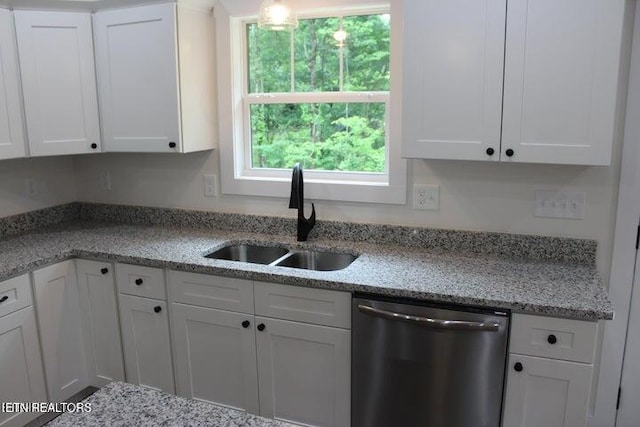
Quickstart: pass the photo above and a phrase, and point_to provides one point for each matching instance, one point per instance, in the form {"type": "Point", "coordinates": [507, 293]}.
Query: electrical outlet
{"type": "Point", "coordinates": [559, 204]}
{"type": "Point", "coordinates": [31, 187]}
{"type": "Point", "coordinates": [105, 181]}
{"type": "Point", "coordinates": [210, 186]}
{"type": "Point", "coordinates": [426, 197]}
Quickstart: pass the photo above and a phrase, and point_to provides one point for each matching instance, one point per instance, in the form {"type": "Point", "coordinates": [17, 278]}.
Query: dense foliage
{"type": "Point", "coordinates": [322, 136]}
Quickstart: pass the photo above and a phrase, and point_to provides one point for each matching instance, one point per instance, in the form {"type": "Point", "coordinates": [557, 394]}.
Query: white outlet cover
{"type": "Point", "coordinates": [210, 186]}
{"type": "Point", "coordinates": [105, 180]}
{"type": "Point", "coordinates": [426, 197]}
{"type": "Point", "coordinates": [31, 187]}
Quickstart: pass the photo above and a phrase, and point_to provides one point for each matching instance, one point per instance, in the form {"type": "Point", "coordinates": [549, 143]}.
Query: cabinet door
{"type": "Point", "coordinates": [58, 77]}
{"type": "Point", "coordinates": [136, 58]}
{"type": "Point", "coordinates": [12, 143]}
{"type": "Point", "coordinates": [561, 79]}
{"type": "Point", "coordinates": [145, 341]}
{"type": "Point", "coordinates": [215, 356]}
{"type": "Point", "coordinates": [100, 314]}
{"type": "Point", "coordinates": [546, 392]}
{"type": "Point", "coordinates": [453, 68]}
{"type": "Point", "coordinates": [304, 372]}
{"type": "Point", "coordinates": [61, 330]}
{"type": "Point", "coordinates": [20, 365]}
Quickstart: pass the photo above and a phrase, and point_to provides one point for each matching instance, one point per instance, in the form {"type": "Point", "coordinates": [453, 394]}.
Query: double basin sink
{"type": "Point", "coordinates": [283, 257]}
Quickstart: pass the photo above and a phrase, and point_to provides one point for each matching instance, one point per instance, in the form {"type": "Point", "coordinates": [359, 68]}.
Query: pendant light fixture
{"type": "Point", "coordinates": [277, 15]}
{"type": "Point", "coordinates": [340, 36]}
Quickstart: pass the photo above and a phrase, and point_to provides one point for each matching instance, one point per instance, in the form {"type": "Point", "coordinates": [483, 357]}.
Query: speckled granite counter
{"type": "Point", "coordinates": [120, 404]}
{"type": "Point", "coordinates": [554, 288]}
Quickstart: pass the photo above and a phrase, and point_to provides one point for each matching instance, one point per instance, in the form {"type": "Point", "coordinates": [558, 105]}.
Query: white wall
{"type": "Point", "coordinates": [474, 195]}
{"type": "Point", "coordinates": [54, 184]}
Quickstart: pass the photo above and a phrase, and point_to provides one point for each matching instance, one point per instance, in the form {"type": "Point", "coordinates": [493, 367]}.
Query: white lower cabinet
{"type": "Point", "coordinates": [549, 378]}
{"type": "Point", "coordinates": [215, 356]}
{"type": "Point", "coordinates": [145, 340]}
{"type": "Point", "coordinates": [100, 315]}
{"type": "Point", "coordinates": [61, 330]}
{"type": "Point", "coordinates": [283, 352]}
{"type": "Point", "coordinates": [298, 371]}
{"type": "Point", "coordinates": [546, 392]}
{"type": "Point", "coordinates": [21, 362]}
{"type": "Point", "coordinates": [304, 372]}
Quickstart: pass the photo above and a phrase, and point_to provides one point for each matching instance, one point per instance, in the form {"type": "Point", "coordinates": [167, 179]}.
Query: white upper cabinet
{"type": "Point", "coordinates": [154, 96]}
{"type": "Point", "coordinates": [453, 68]}
{"type": "Point", "coordinates": [561, 79]}
{"type": "Point", "coordinates": [12, 141]}
{"type": "Point", "coordinates": [58, 77]}
{"type": "Point", "coordinates": [561, 63]}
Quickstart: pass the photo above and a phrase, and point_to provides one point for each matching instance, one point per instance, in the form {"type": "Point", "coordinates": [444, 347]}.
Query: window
{"type": "Point", "coordinates": [328, 95]}
{"type": "Point", "coordinates": [320, 96]}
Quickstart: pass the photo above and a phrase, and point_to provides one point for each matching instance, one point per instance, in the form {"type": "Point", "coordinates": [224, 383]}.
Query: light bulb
{"type": "Point", "coordinates": [276, 15]}
{"type": "Point", "coordinates": [340, 35]}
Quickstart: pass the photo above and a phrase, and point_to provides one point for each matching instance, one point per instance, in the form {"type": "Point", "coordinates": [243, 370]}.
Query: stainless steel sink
{"type": "Point", "coordinates": [320, 261]}
{"type": "Point", "coordinates": [255, 254]}
{"type": "Point", "coordinates": [283, 257]}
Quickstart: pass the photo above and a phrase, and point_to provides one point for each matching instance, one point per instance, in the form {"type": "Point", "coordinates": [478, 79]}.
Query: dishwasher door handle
{"type": "Point", "coordinates": [460, 325]}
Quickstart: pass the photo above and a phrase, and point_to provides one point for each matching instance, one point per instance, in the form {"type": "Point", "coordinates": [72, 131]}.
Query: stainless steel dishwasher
{"type": "Point", "coordinates": [417, 364]}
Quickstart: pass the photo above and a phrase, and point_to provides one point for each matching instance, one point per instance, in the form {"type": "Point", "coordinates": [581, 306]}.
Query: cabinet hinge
{"type": "Point", "coordinates": [618, 400]}
{"type": "Point", "coordinates": [638, 237]}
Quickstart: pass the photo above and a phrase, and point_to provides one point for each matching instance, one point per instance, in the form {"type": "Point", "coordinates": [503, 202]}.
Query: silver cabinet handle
{"type": "Point", "coordinates": [432, 323]}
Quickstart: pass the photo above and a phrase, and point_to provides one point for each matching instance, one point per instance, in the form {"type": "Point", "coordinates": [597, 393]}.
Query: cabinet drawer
{"type": "Point", "coordinates": [15, 294]}
{"type": "Point", "coordinates": [318, 306]}
{"type": "Point", "coordinates": [211, 291]}
{"type": "Point", "coordinates": [555, 338]}
{"type": "Point", "coordinates": [141, 281]}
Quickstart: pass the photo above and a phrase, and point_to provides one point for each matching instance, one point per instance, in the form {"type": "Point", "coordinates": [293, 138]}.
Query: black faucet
{"type": "Point", "coordinates": [297, 202]}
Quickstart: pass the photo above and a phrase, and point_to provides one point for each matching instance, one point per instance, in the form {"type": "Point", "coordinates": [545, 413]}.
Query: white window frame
{"type": "Point", "coordinates": [237, 177]}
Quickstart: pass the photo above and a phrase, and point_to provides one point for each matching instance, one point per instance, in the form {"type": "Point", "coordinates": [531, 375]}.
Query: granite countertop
{"type": "Point", "coordinates": [561, 289]}
{"type": "Point", "coordinates": [121, 404]}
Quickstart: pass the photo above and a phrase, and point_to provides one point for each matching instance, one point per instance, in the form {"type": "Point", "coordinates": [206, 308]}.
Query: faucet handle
{"type": "Point", "coordinates": [312, 218]}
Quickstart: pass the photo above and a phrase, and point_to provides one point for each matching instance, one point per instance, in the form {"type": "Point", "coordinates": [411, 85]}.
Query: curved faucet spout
{"type": "Point", "coordinates": [296, 201]}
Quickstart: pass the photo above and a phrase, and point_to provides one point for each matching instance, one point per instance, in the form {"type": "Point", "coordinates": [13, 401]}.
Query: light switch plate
{"type": "Point", "coordinates": [426, 197]}
{"type": "Point", "coordinates": [559, 204]}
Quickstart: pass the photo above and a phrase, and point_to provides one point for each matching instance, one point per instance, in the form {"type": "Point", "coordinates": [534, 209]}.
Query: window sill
{"type": "Point", "coordinates": [387, 193]}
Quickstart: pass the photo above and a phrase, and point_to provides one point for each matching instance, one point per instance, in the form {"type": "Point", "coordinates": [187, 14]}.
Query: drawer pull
{"type": "Point", "coordinates": [104, 271]}
{"type": "Point", "coordinates": [157, 309]}
{"type": "Point", "coordinates": [4, 298]}
{"type": "Point", "coordinates": [552, 339]}
{"type": "Point", "coordinates": [518, 367]}
{"type": "Point", "coordinates": [138, 282]}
